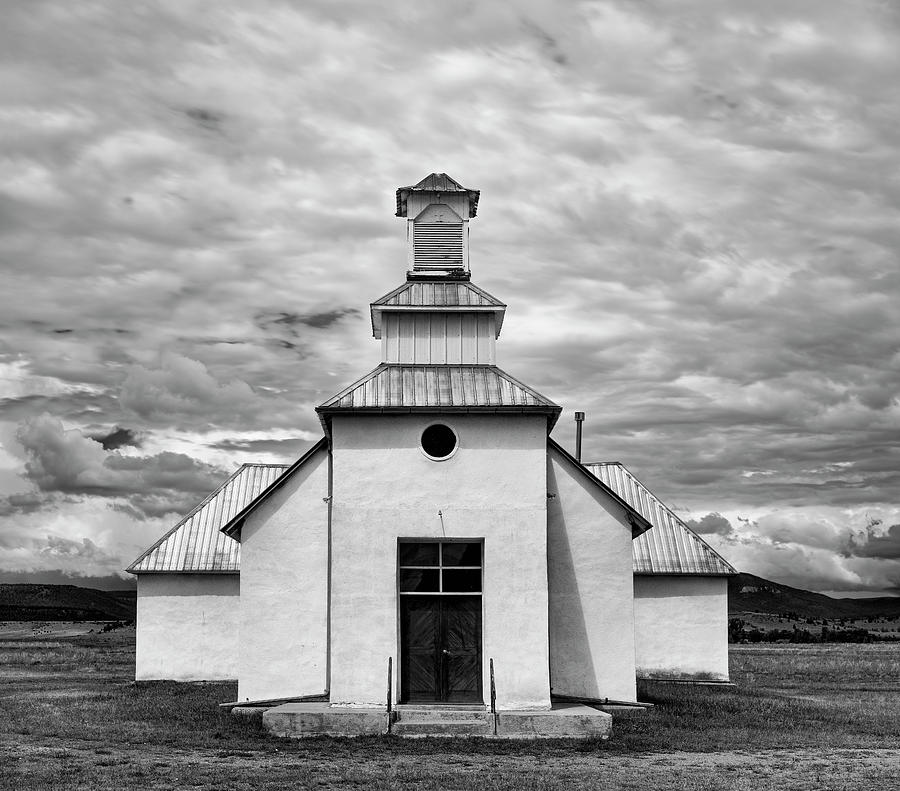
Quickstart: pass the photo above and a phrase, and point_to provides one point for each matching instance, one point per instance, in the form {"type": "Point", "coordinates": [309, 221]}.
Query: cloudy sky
{"type": "Point", "coordinates": [691, 209]}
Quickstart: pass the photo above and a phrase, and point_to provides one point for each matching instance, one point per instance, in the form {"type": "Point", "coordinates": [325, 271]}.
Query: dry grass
{"type": "Point", "coordinates": [812, 716]}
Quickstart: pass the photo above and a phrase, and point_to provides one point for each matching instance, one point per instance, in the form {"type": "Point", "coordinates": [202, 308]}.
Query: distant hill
{"type": "Point", "coordinates": [750, 594]}
{"type": "Point", "coordinates": [64, 603]}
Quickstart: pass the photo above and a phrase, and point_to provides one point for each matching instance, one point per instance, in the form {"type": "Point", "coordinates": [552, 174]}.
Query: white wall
{"type": "Point", "coordinates": [284, 589]}
{"type": "Point", "coordinates": [437, 338]}
{"type": "Point", "coordinates": [681, 627]}
{"type": "Point", "coordinates": [187, 627]}
{"type": "Point", "coordinates": [591, 594]}
{"type": "Point", "coordinates": [494, 488]}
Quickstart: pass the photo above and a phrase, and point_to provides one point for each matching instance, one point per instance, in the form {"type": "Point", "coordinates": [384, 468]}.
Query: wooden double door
{"type": "Point", "coordinates": [440, 649]}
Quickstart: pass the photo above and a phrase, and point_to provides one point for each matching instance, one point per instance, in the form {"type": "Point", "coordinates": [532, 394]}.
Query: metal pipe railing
{"type": "Point", "coordinates": [390, 702]}
{"type": "Point", "coordinates": [493, 697]}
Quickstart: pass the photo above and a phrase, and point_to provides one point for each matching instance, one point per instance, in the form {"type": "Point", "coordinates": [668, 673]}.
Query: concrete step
{"type": "Point", "coordinates": [443, 727]}
{"type": "Point", "coordinates": [433, 714]}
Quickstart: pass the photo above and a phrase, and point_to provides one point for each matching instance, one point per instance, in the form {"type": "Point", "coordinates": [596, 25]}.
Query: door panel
{"type": "Point", "coordinates": [461, 639]}
{"type": "Point", "coordinates": [420, 648]}
{"type": "Point", "coordinates": [440, 645]}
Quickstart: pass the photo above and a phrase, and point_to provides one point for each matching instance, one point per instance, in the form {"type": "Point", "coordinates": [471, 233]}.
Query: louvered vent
{"type": "Point", "coordinates": [438, 245]}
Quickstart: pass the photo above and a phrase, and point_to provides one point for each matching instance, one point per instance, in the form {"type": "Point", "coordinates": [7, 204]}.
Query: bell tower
{"type": "Point", "coordinates": [437, 211]}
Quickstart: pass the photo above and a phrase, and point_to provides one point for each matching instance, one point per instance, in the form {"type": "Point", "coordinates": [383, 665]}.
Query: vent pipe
{"type": "Point", "coordinates": [579, 421]}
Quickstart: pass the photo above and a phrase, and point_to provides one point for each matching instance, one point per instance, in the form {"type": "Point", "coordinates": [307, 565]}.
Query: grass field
{"type": "Point", "coordinates": [799, 717]}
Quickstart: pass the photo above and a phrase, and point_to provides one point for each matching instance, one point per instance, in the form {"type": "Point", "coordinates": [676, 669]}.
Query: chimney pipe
{"type": "Point", "coordinates": [579, 420]}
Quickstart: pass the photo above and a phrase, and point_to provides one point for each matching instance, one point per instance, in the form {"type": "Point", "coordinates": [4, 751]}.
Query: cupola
{"type": "Point", "coordinates": [437, 210]}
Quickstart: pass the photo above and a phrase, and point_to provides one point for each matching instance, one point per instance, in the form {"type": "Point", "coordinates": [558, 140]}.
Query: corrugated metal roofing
{"type": "Point", "coordinates": [196, 544]}
{"type": "Point", "coordinates": [444, 387]}
{"type": "Point", "coordinates": [422, 294]}
{"type": "Point", "coordinates": [436, 182]}
{"type": "Point", "coordinates": [443, 296]}
{"type": "Point", "coordinates": [671, 547]}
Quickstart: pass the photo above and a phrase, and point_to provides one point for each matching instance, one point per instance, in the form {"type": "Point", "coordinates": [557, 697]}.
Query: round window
{"type": "Point", "coordinates": [438, 441]}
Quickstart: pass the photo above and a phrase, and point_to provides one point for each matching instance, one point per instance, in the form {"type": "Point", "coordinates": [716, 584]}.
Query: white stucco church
{"type": "Point", "coordinates": [436, 524]}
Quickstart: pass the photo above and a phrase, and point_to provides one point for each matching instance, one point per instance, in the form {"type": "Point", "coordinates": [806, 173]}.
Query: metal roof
{"type": "Point", "coordinates": [437, 182]}
{"type": "Point", "coordinates": [445, 388]}
{"type": "Point", "coordinates": [437, 295]}
{"type": "Point", "coordinates": [671, 547]}
{"type": "Point", "coordinates": [195, 544]}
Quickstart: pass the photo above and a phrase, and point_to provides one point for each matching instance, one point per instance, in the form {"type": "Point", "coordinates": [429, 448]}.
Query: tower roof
{"type": "Point", "coordinates": [437, 182]}
{"type": "Point", "coordinates": [400, 388]}
{"type": "Point", "coordinates": [437, 296]}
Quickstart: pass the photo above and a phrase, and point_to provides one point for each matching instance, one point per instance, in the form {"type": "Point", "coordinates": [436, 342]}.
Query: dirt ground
{"type": "Point", "coordinates": [69, 763]}
{"type": "Point", "coordinates": [799, 717]}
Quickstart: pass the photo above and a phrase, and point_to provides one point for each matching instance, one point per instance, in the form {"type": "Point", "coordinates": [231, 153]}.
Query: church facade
{"type": "Point", "coordinates": [436, 541]}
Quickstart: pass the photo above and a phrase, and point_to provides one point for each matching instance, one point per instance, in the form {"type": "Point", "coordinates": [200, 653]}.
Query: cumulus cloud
{"type": "Point", "coordinates": [65, 461]}
{"type": "Point", "coordinates": [182, 387]}
{"type": "Point", "coordinates": [685, 208]}
{"type": "Point", "coordinates": [818, 549]}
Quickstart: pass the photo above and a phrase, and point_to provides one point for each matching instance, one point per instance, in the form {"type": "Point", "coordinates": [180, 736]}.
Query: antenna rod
{"type": "Point", "coordinates": [579, 421]}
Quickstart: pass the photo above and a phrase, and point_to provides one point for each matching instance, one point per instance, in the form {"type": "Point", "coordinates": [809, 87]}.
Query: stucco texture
{"type": "Point", "coordinates": [284, 584]}
{"type": "Point", "coordinates": [591, 596]}
{"type": "Point", "coordinates": [493, 488]}
{"type": "Point", "coordinates": [681, 627]}
{"type": "Point", "coordinates": [187, 627]}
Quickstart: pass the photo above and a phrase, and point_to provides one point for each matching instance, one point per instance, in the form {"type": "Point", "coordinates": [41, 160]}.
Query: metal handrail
{"type": "Point", "coordinates": [493, 697]}
{"type": "Point", "coordinates": [389, 696]}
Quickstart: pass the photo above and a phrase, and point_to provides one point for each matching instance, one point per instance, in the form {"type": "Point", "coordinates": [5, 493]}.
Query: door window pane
{"type": "Point", "coordinates": [419, 580]}
{"type": "Point", "coordinates": [461, 554]}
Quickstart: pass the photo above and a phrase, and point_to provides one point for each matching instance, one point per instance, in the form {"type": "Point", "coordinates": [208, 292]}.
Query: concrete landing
{"type": "Point", "coordinates": [564, 720]}
{"type": "Point", "coordinates": [300, 720]}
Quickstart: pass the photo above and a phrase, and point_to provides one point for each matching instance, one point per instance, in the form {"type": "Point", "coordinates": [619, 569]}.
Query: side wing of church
{"type": "Point", "coordinates": [437, 527]}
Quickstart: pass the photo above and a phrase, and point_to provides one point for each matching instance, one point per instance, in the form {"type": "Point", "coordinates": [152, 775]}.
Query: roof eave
{"type": "Point", "coordinates": [377, 310]}
{"type": "Point", "coordinates": [326, 413]}
{"type": "Point", "coordinates": [723, 574]}
{"type": "Point", "coordinates": [138, 572]}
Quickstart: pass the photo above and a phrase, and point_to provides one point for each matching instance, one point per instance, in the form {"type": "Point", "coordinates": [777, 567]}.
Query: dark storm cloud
{"type": "Point", "coordinates": [877, 543]}
{"type": "Point", "coordinates": [118, 438]}
{"type": "Point", "coordinates": [317, 321]}
{"type": "Point", "coordinates": [711, 523]}
{"type": "Point", "coordinates": [23, 504]}
{"type": "Point", "coordinates": [206, 118]}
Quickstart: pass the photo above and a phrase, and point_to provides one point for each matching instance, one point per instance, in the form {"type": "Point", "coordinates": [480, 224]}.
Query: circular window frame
{"type": "Point", "coordinates": [453, 431]}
